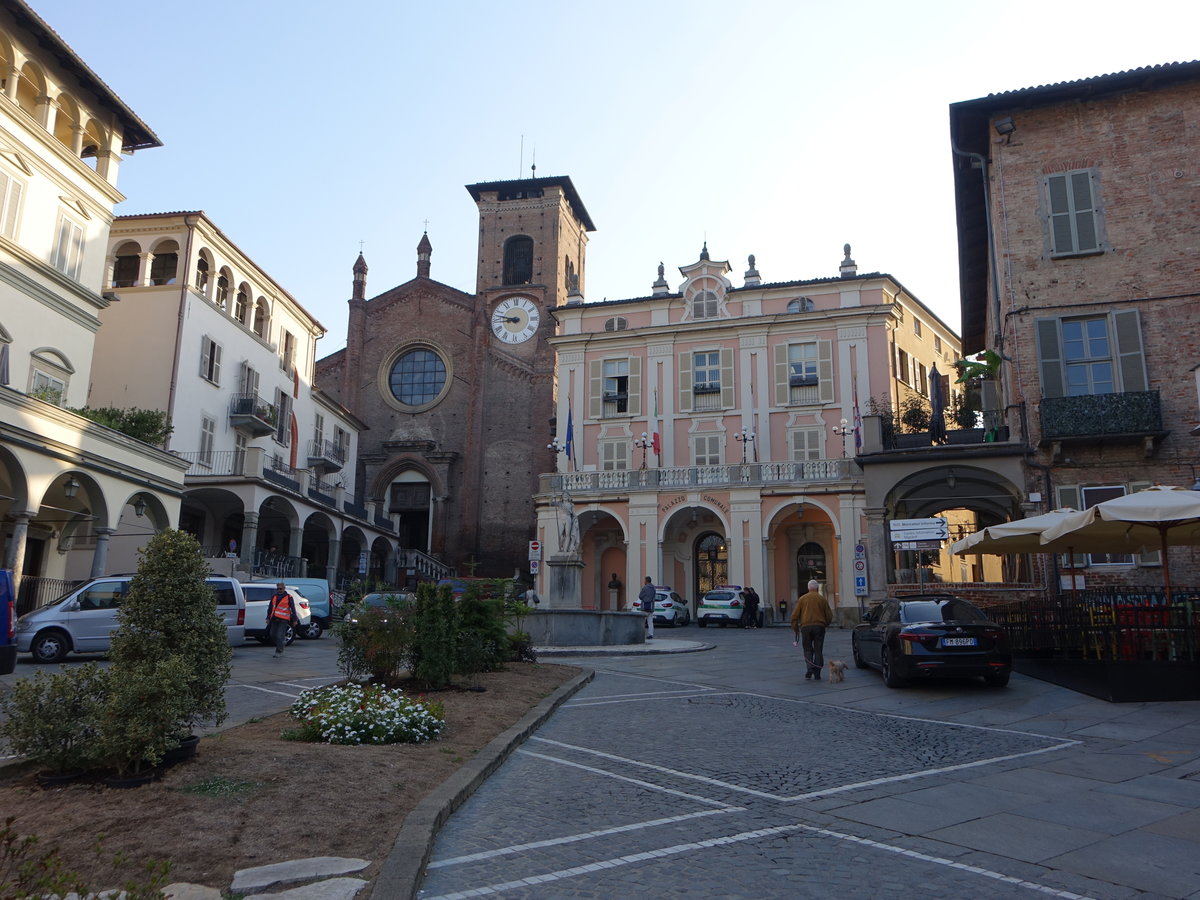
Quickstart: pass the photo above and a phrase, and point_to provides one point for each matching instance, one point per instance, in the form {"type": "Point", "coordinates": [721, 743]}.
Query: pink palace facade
{"type": "Point", "coordinates": [754, 392]}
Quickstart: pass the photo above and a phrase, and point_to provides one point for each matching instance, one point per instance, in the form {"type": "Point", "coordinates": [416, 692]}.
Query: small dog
{"type": "Point", "coordinates": [837, 670]}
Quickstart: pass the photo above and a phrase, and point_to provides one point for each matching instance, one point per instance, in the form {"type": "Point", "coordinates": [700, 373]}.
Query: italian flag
{"type": "Point", "coordinates": [654, 428]}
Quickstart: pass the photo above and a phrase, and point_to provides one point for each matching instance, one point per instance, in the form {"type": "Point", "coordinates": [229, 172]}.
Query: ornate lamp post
{"type": "Point", "coordinates": [643, 442]}
{"type": "Point", "coordinates": [746, 437]}
{"type": "Point", "coordinates": [842, 431]}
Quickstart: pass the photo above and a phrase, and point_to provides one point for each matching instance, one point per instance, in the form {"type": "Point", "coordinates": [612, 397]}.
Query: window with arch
{"type": "Point", "coordinates": [518, 260]}
{"type": "Point", "coordinates": [241, 304]}
{"type": "Point", "coordinates": [800, 305]}
{"type": "Point", "coordinates": [704, 305]}
{"type": "Point", "coordinates": [202, 269]}
{"type": "Point", "coordinates": [127, 264]}
{"type": "Point", "coordinates": [262, 317]}
{"type": "Point", "coordinates": [418, 377]}
{"type": "Point", "coordinates": [66, 118]}
{"type": "Point", "coordinates": [30, 86]}
{"type": "Point", "coordinates": [616, 323]}
{"type": "Point", "coordinates": [164, 268]}
{"type": "Point", "coordinates": [222, 294]}
{"type": "Point", "coordinates": [49, 375]}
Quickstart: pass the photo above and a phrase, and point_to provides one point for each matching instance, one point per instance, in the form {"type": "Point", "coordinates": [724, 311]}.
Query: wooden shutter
{"type": "Point", "coordinates": [206, 346]}
{"type": "Point", "coordinates": [1050, 358]}
{"type": "Point", "coordinates": [727, 398]}
{"type": "Point", "coordinates": [1069, 495]}
{"type": "Point", "coordinates": [825, 370]}
{"type": "Point", "coordinates": [216, 363]}
{"type": "Point", "coordinates": [1082, 199]}
{"type": "Point", "coordinates": [596, 389]}
{"type": "Point", "coordinates": [1130, 358]}
{"type": "Point", "coordinates": [685, 382]}
{"type": "Point", "coordinates": [634, 387]}
{"type": "Point", "coordinates": [783, 392]}
{"type": "Point", "coordinates": [1060, 214]}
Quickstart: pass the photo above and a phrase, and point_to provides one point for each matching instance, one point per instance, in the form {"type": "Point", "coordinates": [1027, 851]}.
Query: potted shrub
{"type": "Point", "coordinates": [54, 719]}
{"type": "Point", "coordinates": [170, 655]}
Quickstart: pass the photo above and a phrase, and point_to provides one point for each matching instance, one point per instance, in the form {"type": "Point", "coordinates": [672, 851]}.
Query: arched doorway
{"type": "Point", "coordinates": [410, 496]}
{"type": "Point", "coordinates": [712, 562]}
{"type": "Point", "coordinates": [810, 564]}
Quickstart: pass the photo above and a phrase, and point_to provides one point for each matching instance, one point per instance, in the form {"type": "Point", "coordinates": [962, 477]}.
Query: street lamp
{"type": "Point", "coordinates": [643, 442]}
{"type": "Point", "coordinates": [139, 507]}
{"type": "Point", "coordinates": [745, 437]}
{"type": "Point", "coordinates": [841, 431]}
{"type": "Point", "coordinates": [555, 447]}
{"type": "Point", "coordinates": [71, 488]}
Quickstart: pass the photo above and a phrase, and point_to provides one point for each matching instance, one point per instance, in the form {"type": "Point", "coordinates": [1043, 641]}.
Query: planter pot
{"type": "Point", "coordinates": [185, 751]}
{"type": "Point", "coordinates": [130, 781]}
{"type": "Point", "coordinates": [56, 779]}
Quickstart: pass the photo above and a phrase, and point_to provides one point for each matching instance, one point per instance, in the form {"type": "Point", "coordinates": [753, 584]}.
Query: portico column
{"type": "Point", "coordinates": [14, 558]}
{"type": "Point", "coordinates": [10, 84]}
{"type": "Point", "coordinates": [332, 563]}
{"type": "Point", "coordinates": [249, 538]}
{"type": "Point", "coordinates": [100, 556]}
{"type": "Point", "coordinates": [878, 546]}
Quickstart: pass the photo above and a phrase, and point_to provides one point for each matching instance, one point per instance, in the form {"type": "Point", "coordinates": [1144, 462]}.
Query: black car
{"type": "Point", "coordinates": [930, 636]}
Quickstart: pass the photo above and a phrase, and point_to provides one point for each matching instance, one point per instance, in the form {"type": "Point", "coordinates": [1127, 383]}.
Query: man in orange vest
{"type": "Point", "coordinates": [281, 614]}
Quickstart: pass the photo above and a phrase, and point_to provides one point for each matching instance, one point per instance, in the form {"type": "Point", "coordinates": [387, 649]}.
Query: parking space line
{"type": "Point", "coordinates": [811, 795]}
{"type": "Point", "coordinates": [255, 687]}
{"type": "Point", "coordinates": [606, 773]}
{"type": "Point", "coordinates": [583, 836]}
{"type": "Point", "coordinates": [937, 860]}
{"type": "Point", "coordinates": [703, 779]}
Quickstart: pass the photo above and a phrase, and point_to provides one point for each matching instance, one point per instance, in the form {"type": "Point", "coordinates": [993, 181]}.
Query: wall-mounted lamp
{"type": "Point", "coordinates": [71, 488]}
{"type": "Point", "coordinates": [951, 479]}
{"type": "Point", "coordinates": [1005, 127]}
{"type": "Point", "coordinates": [139, 507]}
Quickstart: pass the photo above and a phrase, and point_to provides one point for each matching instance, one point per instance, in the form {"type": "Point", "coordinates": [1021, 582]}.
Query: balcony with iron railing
{"type": "Point", "coordinates": [326, 456]}
{"type": "Point", "coordinates": [252, 414]}
{"type": "Point", "coordinates": [762, 475]}
{"type": "Point", "coordinates": [1132, 415]}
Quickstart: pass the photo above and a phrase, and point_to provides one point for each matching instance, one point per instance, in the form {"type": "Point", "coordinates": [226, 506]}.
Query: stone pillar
{"type": "Point", "coordinates": [249, 538]}
{"type": "Point", "coordinates": [100, 556]}
{"type": "Point", "coordinates": [565, 574]}
{"type": "Point", "coordinates": [10, 83]}
{"type": "Point", "coordinates": [331, 564]}
{"type": "Point", "coordinates": [14, 559]}
{"type": "Point", "coordinates": [878, 546]}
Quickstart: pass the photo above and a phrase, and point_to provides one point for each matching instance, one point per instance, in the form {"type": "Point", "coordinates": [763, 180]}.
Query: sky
{"type": "Point", "coordinates": [780, 129]}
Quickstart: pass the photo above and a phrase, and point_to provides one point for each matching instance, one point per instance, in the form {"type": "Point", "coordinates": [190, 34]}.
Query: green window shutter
{"type": "Point", "coordinates": [1154, 557]}
{"type": "Point", "coordinates": [1086, 233]}
{"type": "Point", "coordinates": [634, 389]}
{"type": "Point", "coordinates": [727, 400]}
{"type": "Point", "coordinates": [1050, 358]}
{"type": "Point", "coordinates": [782, 391]}
{"type": "Point", "coordinates": [596, 389]}
{"type": "Point", "coordinates": [1060, 214]}
{"type": "Point", "coordinates": [685, 382]}
{"type": "Point", "coordinates": [1069, 496]}
{"type": "Point", "coordinates": [825, 369]}
{"type": "Point", "coordinates": [1131, 361]}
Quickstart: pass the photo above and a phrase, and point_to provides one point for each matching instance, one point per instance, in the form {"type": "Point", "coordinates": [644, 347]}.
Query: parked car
{"type": "Point", "coordinates": [670, 608]}
{"type": "Point", "coordinates": [930, 636]}
{"type": "Point", "coordinates": [316, 591]}
{"type": "Point", "coordinates": [8, 608]}
{"type": "Point", "coordinates": [82, 620]}
{"type": "Point", "coordinates": [387, 600]}
{"type": "Point", "coordinates": [722, 606]}
{"type": "Point", "coordinates": [258, 598]}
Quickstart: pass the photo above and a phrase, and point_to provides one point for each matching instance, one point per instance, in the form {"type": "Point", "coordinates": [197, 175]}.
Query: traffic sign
{"type": "Point", "coordinates": [533, 566]}
{"type": "Point", "coordinates": [860, 586]}
{"type": "Point", "coordinates": [932, 529]}
{"type": "Point", "coordinates": [916, 545]}
{"type": "Point", "coordinates": [860, 565]}
{"type": "Point", "coordinates": [535, 549]}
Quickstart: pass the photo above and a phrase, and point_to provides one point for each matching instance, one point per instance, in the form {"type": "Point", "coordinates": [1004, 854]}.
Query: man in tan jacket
{"type": "Point", "coordinates": [809, 620]}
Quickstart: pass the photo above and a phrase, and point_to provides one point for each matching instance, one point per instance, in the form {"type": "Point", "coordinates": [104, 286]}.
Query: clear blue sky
{"type": "Point", "coordinates": [782, 129]}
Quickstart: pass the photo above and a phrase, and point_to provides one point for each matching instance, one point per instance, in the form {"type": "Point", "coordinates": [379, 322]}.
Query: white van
{"type": "Point", "coordinates": [83, 620]}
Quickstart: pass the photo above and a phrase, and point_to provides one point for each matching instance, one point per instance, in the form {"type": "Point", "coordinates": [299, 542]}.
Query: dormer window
{"type": "Point", "coordinates": [704, 305]}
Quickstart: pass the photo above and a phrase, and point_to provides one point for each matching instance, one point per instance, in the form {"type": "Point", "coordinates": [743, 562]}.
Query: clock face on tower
{"type": "Point", "coordinates": [515, 320]}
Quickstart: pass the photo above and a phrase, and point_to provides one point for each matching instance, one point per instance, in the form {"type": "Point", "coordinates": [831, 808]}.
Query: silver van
{"type": "Point", "coordinates": [83, 620]}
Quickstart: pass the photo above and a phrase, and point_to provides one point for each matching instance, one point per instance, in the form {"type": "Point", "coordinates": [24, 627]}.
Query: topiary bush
{"type": "Point", "coordinates": [170, 656]}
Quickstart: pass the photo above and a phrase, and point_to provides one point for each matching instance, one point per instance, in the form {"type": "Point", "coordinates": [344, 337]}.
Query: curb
{"type": "Point", "coordinates": [553, 652]}
{"type": "Point", "coordinates": [401, 873]}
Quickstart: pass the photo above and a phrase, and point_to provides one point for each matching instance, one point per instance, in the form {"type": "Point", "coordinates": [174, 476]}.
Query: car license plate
{"type": "Point", "coordinates": [958, 642]}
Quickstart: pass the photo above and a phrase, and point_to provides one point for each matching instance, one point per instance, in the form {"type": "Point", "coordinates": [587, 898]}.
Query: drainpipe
{"type": "Point", "coordinates": [190, 222]}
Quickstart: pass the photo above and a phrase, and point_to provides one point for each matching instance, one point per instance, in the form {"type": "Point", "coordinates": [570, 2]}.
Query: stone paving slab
{"type": "Point", "coordinates": [1150, 862]}
{"type": "Point", "coordinates": [293, 871]}
{"type": "Point", "coordinates": [1017, 837]}
{"type": "Point", "coordinates": [1107, 813]}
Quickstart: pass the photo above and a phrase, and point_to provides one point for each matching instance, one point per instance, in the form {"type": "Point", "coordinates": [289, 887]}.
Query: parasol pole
{"type": "Point", "coordinates": [1162, 533]}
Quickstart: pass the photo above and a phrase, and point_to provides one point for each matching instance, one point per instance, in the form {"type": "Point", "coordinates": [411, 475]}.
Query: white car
{"type": "Point", "coordinates": [258, 598]}
{"type": "Point", "coordinates": [670, 608]}
{"type": "Point", "coordinates": [722, 606]}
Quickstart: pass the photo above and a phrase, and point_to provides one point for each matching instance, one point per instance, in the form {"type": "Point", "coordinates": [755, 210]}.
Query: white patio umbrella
{"type": "Point", "coordinates": [1157, 518]}
{"type": "Point", "coordinates": [1017, 536]}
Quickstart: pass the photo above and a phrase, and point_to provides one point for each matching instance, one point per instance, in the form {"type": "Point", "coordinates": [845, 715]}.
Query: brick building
{"type": "Point", "coordinates": [1078, 209]}
{"type": "Point", "coordinates": [457, 387]}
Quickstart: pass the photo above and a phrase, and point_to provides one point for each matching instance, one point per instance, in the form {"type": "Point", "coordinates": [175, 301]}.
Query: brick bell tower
{"type": "Point", "coordinates": [532, 244]}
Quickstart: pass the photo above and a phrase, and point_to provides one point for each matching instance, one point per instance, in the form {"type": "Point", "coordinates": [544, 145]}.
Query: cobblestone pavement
{"type": "Point", "coordinates": [663, 776]}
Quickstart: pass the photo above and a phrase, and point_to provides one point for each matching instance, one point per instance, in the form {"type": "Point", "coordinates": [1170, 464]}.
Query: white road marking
{"type": "Point", "coordinates": [255, 687]}
{"type": "Point", "coordinates": [616, 862]}
{"type": "Point", "coordinates": [584, 836]}
{"type": "Point", "coordinates": [607, 774]}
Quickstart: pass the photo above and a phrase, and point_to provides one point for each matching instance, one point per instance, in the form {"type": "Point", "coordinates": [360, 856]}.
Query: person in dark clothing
{"type": "Point", "coordinates": [281, 614]}
{"type": "Point", "coordinates": [750, 611]}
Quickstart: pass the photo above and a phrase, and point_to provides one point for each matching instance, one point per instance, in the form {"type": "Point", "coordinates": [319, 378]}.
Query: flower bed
{"type": "Point", "coordinates": [364, 714]}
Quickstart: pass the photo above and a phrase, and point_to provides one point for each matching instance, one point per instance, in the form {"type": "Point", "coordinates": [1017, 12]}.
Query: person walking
{"type": "Point", "coordinates": [750, 612]}
{"type": "Point", "coordinates": [281, 613]}
{"type": "Point", "coordinates": [809, 621]}
{"type": "Point", "coordinates": [646, 599]}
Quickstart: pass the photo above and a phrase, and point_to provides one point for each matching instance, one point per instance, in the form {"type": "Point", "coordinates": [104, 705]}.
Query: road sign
{"type": "Point", "coordinates": [533, 566]}
{"type": "Point", "coordinates": [535, 549]}
{"type": "Point", "coordinates": [860, 565]}
{"type": "Point", "coordinates": [932, 529]}
{"type": "Point", "coordinates": [916, 545]}
{"type": "Point", "coordinates": [860, 586]}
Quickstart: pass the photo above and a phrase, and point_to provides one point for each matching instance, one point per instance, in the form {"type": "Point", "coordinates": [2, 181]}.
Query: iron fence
{"type": "Point", "coordinates": [37, 591]}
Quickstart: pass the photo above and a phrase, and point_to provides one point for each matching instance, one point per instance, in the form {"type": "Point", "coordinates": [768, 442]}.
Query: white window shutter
{"type": "Point", "coordinates": [206, 346]}
{"type": "Point", "coordinates": [634, 388]}
{"type": "Point", "coordinates": [782, 389]}
{"type": "Point", "coordinates": [727, 396]}
{"type": "Point", "coordinates": [685, 382]}
{"type": "Point", "coordinates": [825, 369]}
{"type": "Point", "coordinates": [596, 389]}
{"type": "Point", "coordinates": [216, 367]}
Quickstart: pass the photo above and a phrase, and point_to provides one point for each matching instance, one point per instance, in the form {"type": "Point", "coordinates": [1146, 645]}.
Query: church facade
{"type": "Point", "coordinates": [457, 388]}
